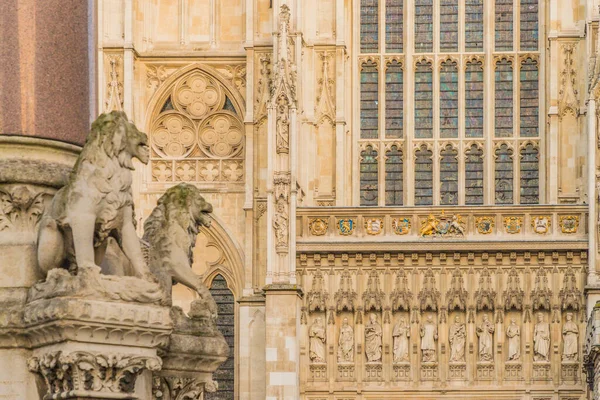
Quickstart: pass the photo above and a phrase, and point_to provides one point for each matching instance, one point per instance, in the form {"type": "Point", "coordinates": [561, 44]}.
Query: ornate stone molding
{"type": "Point", "coordinates": [345, 297]}
{"type": "Point", "coordinates": [485, 295]}
{"type": "Point", "coordinates": [21, 207]}
{"type": "Point", "coordinates": [401, 296]}
{"type": "Point", "coordinates": [373, 297]}
{"type": "Point", "coordinates": [513, 295]}
{"type": "Point", "coordinates": [178, 388]}
{"type": "Point", "coordinates": [541, 294]}
{"type": "Point", "coordinates": [568, 95]}
{"type": "Point", "coordinates": [80, 373]}
{"type": "Point", "coordinates": [429, 296]}
{"type": "Point", "coordinates": [317, 296]}
{"type": "Point", "coordinates": [570, 295]}
{"type": "Point", "coordinates": [457, 295]}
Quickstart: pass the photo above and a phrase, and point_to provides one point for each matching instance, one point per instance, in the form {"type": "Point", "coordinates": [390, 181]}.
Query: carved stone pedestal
{"type": "Point", "coordinates": [91, 349]}
{"type": "Point", "coordinates": [195, 351]}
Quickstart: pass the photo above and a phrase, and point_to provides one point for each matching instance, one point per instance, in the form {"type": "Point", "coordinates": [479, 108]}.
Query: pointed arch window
{"type": "Point", "coordinates": [423, 177]}
{"type": "Point", "coordinates": [369, 100]}
{"type": "Point", "coordinates": [449, 26]}
{"type": "Point", "coordinates": [394, 102]}
{"type": "Point", "coordinates": [449, 99]}
{"type": "Point", "coordinates": [225, 374]}
{"type": "Point", "coordinates": [449, 176]}
{"type": "Point", "coordinates": [504, 175]}
{"type": "Point", "coordinates": [369, 26]}
{"type": "Point", "coordinates": [529, 98]}
{"type": "Point", "coordinates": [394, 25]}
{"type": "Point", "coordinates": [503, 14]}
{"type": "Point", "coordinates": [423, 26]}
{"type": "Point", "coordinates": [474, 99]}
{"type": "Point", "coordinates": [423, 100]}
{"type": "Point", "coordinates": [368, 177]}
{"type": "Point", "coordinates": [504, 98]}
{"type": "Point", "coordinates": [530, 173]}
{"type": "Point", "coordinates": [474, 176]}
{"type": "Point", "coordinates": [394, 178]}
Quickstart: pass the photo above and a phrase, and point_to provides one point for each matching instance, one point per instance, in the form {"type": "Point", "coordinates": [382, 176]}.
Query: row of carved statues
{"type": "Point", "coordinates": [457, 338]}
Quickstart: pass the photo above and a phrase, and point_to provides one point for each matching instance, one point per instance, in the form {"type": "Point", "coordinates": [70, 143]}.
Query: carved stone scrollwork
{"type": "Point", "coordinates": [87, 372]}
{"type": "Point", "coordinates": [401, 296]}
{"type": "Point", "coordinates": [429, 296]}
{"type": "Point", "coordinates": [569, 295]}
{"type": "Point", "coordinates": [513, 295]}
{"type": "Point", "coordinates": [485, 295]}
{"type": "Point", "coordinates": [176, 388]}
{"type": "Point", "coordinates": [317, 296]}
{"type": "Point", "coordinates": [345, 297]}
{"type": "Point", "coordinates": [457, 295]}
{"type": "Point", "coordinates": [373, 296]}
{"type": "Point", "coordinates": [541, 294]}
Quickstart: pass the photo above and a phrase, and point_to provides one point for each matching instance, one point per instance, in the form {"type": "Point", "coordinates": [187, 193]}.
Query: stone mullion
{"type": "Point", "coordinates": [409, 105]}
{"type": "Point", "coordinates": [543, 192]}
{"type": "Point", "coordinates": [342, 195]}
{"type": "Point", "coordinates": [381, 126]}
{"type": "Point", "coordinates": [436, 130]}
{"type": "Point", "coordinates": [461, 129]}
{"type": "Point", "coordinates": [488, 104]}
{"type": "Point", "coordinates": [516, 130]}
{"type": "Point", "coordinates": [355, 92]}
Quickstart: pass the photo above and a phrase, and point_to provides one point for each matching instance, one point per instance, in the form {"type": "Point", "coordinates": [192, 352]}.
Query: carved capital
{"type": "Point", "coordinates": [83, 372]}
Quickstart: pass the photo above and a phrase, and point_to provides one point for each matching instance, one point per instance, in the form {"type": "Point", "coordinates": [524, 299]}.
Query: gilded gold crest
{"type": "Point", "coordinates": [513, 224]}
{"type": "Point", "coordinates": [401, 226]}
{"type": "Point", "coordinates": [541, 224]}
{"type": "Point", "coordinates": [374, 226]}
{"type": "Point", "coordinates": [318, 226]}
{"type": "Point", "coordinates": [569, 223]}
{"type": "Point", "coordinates": [485, 225]}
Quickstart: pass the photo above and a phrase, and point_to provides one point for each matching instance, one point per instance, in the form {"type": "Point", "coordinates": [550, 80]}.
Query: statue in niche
{"type": "Point", "coordinates": [346, 343]}
{"type": "Point", "coordinates": [541, 339]}
{"type": "Point", "coordinates": [570, 333]}
{"type": "Point", "coordinates": [429, 336]}
{"type": "Point", "coordinates": [457, 338]}
{"type": "Point", "coordinates": [317, 337]}
{"type": "Point", "coordinates": [485, 332]}
{"type": "Point", "coordinates": [513, 333]}
{"type": "Point", "coordinates": [401, 333]}
{"type": "Point", "coordinates": [373, 334]}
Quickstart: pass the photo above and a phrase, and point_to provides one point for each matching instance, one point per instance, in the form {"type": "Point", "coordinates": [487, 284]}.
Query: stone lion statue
{"type": "Point", "coordinates": [96, 204]}
{"type": "Point", "coordinates": [170, 233]}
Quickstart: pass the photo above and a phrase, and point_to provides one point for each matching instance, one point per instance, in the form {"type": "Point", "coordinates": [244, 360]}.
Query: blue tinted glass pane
{"type": "Point", "coordinates": [504, 99]}
{"type": "Point", "coordinates": [423, 26]}
{"type": "Point", "coordinates": [423, 100]}
{"type": "Point", "coordinates": [449, 25]}
{"type": "Point", "coordinates": [368, 177]}
{"type": "Point", "coordinates": [474, 176]}
{"type": "Point", "coordinates": [394, 103]}
{"type": "Point", "coordinates": [530, 175]}
{"type": "Point", "coordinates": [474, 99]}
{"type": "Point", "coordinates": [423, 177]}
{"type": "Point", "coordinates": [449, 99]}
{"type": "Point", "coordinates": [393, 177]}
{"type": "Point", "coordinates": [394, 25]}
{"type": "Point", "coordinates": [504, 25]}
{"type": "Point", "coordinates": [369, 95]}
{"type": "Point", "coordinates": [530, 102]}
{"type": "Point", "coordinates": [474, 25]}
{"type": "Point", "coordinates": [529, 25]}
{"type": "Point", "coordinates": [369, 26]}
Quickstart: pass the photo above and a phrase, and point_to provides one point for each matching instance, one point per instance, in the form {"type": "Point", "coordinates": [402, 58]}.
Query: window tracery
{"type": "Point", "coordinates": [198, 134]}
{"type": "Point", "coordinates": [451, 81]}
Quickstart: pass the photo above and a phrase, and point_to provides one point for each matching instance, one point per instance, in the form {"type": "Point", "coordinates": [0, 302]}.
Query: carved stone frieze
{"type": "Point", "coordinates": [442, 226]}
{"type": "Point", "coordinates": [317, 296]}
{"type": "Point", "coordinates": [429, 296]}
{"type": "Point", "coordinates": [373, 297]}
{"type": "Point", "coordinates": [236, 74]}
{"type": "Point", "coordinates": [264, 83]}
{"type": "Point", "coordinates": [90, 372]}
{"type": "Point", "coordinates": [456, 296]}
{"type": "Point", "coordinates": [345, 297]}
{"type": "Point", "coordinates": [179, 388]}
{"type": "Point", "coordinates": [568, 94]}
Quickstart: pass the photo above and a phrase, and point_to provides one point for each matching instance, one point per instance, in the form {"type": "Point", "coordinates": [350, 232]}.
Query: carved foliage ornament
{"type": "Point", "coordinates": [78, 371]}
{"type": "Point", "coordinates": [114, 89]}
{"type": "Point", "coordinates": [176, 388]}
{"type": "Point", "coordinates": [20, 208]}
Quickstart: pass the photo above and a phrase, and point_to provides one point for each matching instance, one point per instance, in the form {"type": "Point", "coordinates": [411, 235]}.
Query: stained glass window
{"type": "Point", "coordinates": [449, 176]}
{"type": "Point", "coordinates": [394, 25]}
{"type": "Point", "coordinates": [423, 177]}
{"type": "Point", "coordinates": [423, 26]}
{"type": "Point", "coordinates": [369, 94]}
{"type": "Point", "coordinates": [529, 102]}
{"type": "Point", "coordinates": [423, 100]}
{"type": "Point", "coordinates": [226, 325]}
{"type": "Point", "coordinates": [368, 177]}
{"type": "Point", "coordinates": [449, 99]}
{"type": "Point", "coordinates": [474, 99]}
{"type": "Point", "coordinates": [504, 98]}
{"type": "Point", "coordinates": [530, 182]}
{"type": "Point", "coordinates": [474, 176]}
{"type": "Point", "coordinates": [393, 177]}
{"type": "Point", "coordinates": [369, 26]}
{"type": "Point", "coordinates": [394, 103]}
{"type": "Point", "coordinates": [474, 25]}
{"type": "Point", "coordinates": [449, 25]}
{"type": "Point", "coordinates": [504, 175]}
{"type": "Point", "coordinates": [529, 25]}
{"type": "Point", "coordinates": [504, 25]}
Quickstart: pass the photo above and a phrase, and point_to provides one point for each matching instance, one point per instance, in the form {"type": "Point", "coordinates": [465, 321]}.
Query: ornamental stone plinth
{"type": "Point", "coordinates": [195, 351]}
{"type": "Point", "coordinates": [94, 349]}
